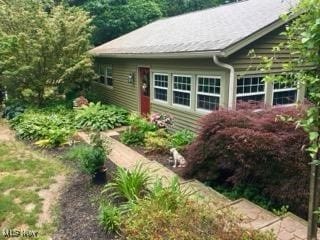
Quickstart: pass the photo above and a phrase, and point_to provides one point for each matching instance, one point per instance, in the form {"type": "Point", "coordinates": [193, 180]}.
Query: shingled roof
{"type": "Point", "coordinates": [211, 30]}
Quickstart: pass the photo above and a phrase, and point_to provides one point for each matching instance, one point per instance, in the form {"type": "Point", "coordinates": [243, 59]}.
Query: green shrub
{"type": "Point", "coordinates": [109, 217]}
{"type": "Point", "coordinates": [157, 141]}
{"type": "Point", "coordinates": [90, 158]}
{"type": "Point", "coordinates": [100, 117]}
{"type": "Point", "coordinates": [167, 212]}
{"type": "Point", "coordinates": [135, 134]}
{"type": "Point", "coordinates": [49, 127]}
{"type": "Point", "coordinates": [192, 220]}
{"type": "Point", "coordinates": [168, 198]}
{"type": "Point", "coordinates": [132, 137]}
{"type": "Point", "coordinates": [181, 138]}
{"type": "Point", "coordinates": [142, 124]}
{"type": "Point", "coordinates": [128, 185]}
{"type": "Point", "coordinates": [13, 111]}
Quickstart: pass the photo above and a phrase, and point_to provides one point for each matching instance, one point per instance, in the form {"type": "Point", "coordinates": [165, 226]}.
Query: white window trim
{"type": "Point", "coordinates": [184, 91]}
{"type": "Point", "coordinates": [154, 87]}
{"type": "Point", "coordinates": [106, 76]}
{"type": "Point", "coordinates": [206, 94]}
{"type": "Point", "coordinates": [284, 90]}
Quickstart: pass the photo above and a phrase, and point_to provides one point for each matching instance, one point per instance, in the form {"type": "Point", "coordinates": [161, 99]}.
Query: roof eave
{"type": "Point", "coordinates": [199, 54]}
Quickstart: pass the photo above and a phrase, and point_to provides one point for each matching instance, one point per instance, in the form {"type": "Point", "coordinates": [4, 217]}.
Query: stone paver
{"type": "Point", "coordinates": [254, 216]}
{"type": "Point", "coordinates": [288, 228]}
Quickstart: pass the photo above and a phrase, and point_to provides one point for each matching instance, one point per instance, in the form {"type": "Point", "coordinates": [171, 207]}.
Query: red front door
{"type": "Point", "coordinates": [144, 82]}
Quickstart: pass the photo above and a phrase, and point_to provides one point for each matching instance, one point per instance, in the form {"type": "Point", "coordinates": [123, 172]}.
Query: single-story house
{"type": "Point", "coordinates": [198, 62]}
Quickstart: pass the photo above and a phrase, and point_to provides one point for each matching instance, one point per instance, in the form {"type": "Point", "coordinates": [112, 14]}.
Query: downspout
{"type": "Point", "coordinates": [231, 80]}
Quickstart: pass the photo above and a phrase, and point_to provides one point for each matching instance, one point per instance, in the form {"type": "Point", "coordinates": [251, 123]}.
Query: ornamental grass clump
{"type": "Point", "coordinates": [165, 211]}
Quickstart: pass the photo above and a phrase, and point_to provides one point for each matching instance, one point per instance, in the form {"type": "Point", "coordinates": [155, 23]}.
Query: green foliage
{"type": "Point", "coordinates": [166, 212]}
{"type": "Point", "coordinates": [250, 192]}
{"type": "Point", "coordinates": [282, 211]}
{"type": "Point", "coordinates": [168, 198]}
{"type": "Point", "coordinates": [43, 49]}
{"type": "Point", "coordinates": [157, 141]}
{"type": "Point", "coordinates": [181, 138]}
{"type": "Point", "coordinates": [128, 185]}
{"type": "Point", "coordinates": [132, 137]}
{"type": "Point", "coordinates": [135, 134]}
{"type": "Point", "coordinates": [161, 140]}
{"type": "Point", "coordinates": [100, 117]}
{"type": "Point", "coordinates": [90, 158]}
{"type": "Point", "coordinates": [49, 127]}
{"type": "Point", "coordinates": [109, 217]}
{"type": "Point", "coordinates": [113, 18]}
{"type": "Point", "coordinates": [12, 111]}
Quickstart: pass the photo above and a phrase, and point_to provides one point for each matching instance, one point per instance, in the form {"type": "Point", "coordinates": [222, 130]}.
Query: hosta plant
{"type": "Point", "coordinates": [99, 117]}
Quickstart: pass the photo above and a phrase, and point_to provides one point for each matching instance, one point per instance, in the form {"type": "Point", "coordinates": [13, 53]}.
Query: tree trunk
{"type": "Point", "coordinates": [313, 202]}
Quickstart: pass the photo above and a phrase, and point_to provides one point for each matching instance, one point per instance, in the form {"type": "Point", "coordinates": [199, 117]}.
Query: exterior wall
{"type": "Point", "coordinates": [128, 94]}
{"type": "Point", "coordinates": [123, 93]}
{"type": "Point", "coordinates": [246, 64]}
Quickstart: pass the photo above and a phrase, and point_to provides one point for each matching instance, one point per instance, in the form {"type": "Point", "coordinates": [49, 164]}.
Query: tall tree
{"type": "Point", "coordinates": [42, 48]}
{"type": "Point", "coordinates": [113, 18]}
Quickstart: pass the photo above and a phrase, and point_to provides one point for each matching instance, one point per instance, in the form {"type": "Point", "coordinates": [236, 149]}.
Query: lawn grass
{"type": "Point", "coordinates": [23, 173]}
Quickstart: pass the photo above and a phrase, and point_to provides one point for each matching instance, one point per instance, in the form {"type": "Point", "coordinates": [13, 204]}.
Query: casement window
{"type": "Point", "coordinates": [208, 93]}
{"type": "Point", "coordinates": [284, 93]}
{"type": "Point", "coordinates": [181, 90]}
{"type": "Point", "coordinates": [250, 88]}
{"type": "Point", "coordinates": [160, 82]}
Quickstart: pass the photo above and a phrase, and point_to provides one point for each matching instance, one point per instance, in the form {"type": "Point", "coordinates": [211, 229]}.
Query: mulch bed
{"type": "Point", "coordinates": [78, 209]}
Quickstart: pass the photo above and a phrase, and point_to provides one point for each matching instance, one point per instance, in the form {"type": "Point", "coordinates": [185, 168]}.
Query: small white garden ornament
{"type": "Point", "coordinates": [178, 159]}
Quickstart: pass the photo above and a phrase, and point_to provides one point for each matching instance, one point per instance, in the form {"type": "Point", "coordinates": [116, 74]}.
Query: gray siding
{"type": "Point", "coordinates": [127, 95]}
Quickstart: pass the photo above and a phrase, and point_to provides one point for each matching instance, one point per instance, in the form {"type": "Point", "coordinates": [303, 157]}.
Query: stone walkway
{"type": "Point", "coordinates": [288, 227]}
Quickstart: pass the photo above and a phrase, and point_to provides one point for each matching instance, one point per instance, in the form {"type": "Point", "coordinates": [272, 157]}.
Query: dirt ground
{"type": "Point", "coordinates": [78, 209]}
{"type": "Point", "coordinates": [5, 133]}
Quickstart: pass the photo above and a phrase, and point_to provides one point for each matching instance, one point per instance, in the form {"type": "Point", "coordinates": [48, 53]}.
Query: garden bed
{"type": "Point", "coordinates": [160, 157]}
{"type": "Point", "coordinates": [78, 209]}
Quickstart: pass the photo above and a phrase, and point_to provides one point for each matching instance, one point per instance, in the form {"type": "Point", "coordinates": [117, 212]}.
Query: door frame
{"type": "Point", "coordinates": [139, 85]}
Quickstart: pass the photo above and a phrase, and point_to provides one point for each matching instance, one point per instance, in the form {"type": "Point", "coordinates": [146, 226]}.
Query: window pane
{"type": "Point", "coordinates": [253, 98]}
{"type": "Point", "coordinates": [109, 81]}
{"type": "Point", "coordinates": [109, 71]}
{"type": "Point", "coordinates": [181, 98]}
{"type": "Point", "coordinates": [250, 85]}
{"type": "Point", "coordinates": [209, 85]}
{"type": "Point", "coordinates": [286, 97]}
{"type": "Point", "coordinates": [161, 80]}
{"type": "Point", "coordinates": [160, 94]}
{"type": "Point", "coordinates": [208, 102]}
{"type": "Point", "coordinates": [278, 85]}
{"type": "Point", "coordinates": [182, 83]}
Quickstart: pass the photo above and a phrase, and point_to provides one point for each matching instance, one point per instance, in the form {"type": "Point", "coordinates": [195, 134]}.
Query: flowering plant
{"type": "Point", "coordinates": [80, 101]}
{"type": "Point", "coordinates": [161, 120]}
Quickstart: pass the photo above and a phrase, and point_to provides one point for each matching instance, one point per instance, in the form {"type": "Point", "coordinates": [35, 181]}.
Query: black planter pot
{"type": "Point", "coordinates": [100, 177]}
